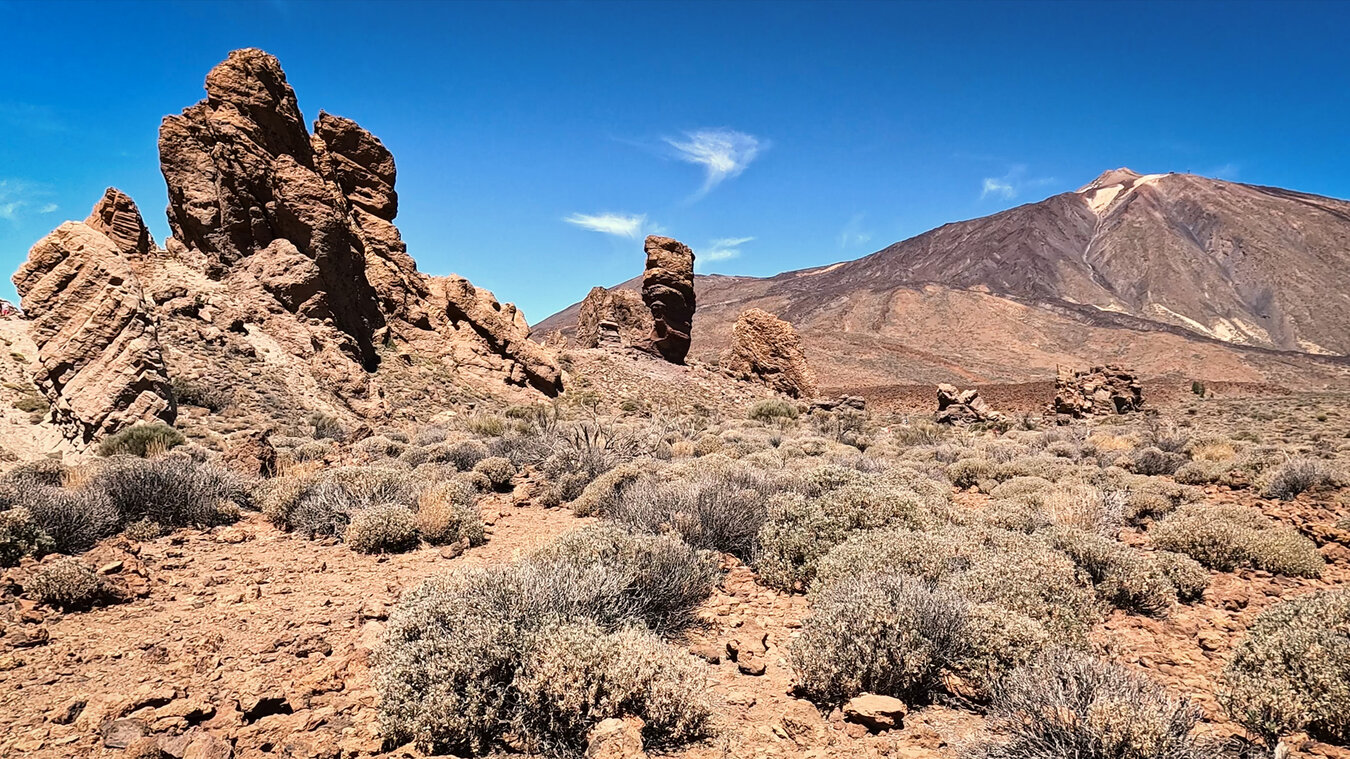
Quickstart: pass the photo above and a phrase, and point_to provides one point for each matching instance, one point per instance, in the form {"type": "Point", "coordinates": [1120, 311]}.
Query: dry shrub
{"type": "Point", "coordinates": [485, 425]}
{"type": "Point", "coordinates": [801, 529]}
{"type": "Point", "coordinates": [383, 528]}
{"type": "Point", "coordinates": [1228, 537]}
{"type": "Point", "coordinates": [322, 503]}
{"type": "Point", "coordinates": [1300, 475]}
{"type": "Point", "coordinates": [447, 513]}
{"type": "Point", "coordinates": [771, 411]}
{"type": "Point", "coordinates": [1291, 673]}
{"type": "Point", "coordinates": [970, 472]}
{"type": "Point", "coordinates": [141, 440]}
{"type": "Point", "coordinates": [72, 521]}
{"type": "Point", "coordinates": [67, 584]}
{"type": "Point", "coordinates": [20, 536]}
{"type": "Point", "coordinates": [498, 470]}
{"type": "Point", "coordinates": [379, 446]}
{"type": "Point", "coordinates": [543, 649]}
{"type": "Point", "coordinates": [883, 633]}
{"type": "Point", "coordinates": [1124, 577]}
{"type": "Point", "coordinates": [1068, 704]}
{"type": "Point", "coordinates": [49, 472]}
{"type": "Point", "coordinates": [1215, 449]}
{"type": "Point", "coordinates": [602, 494]}
{"type": "Point", "coordinates": [665, 578]}
{"type": "Point", "coordinates": [577, 675]}
{"type": "Point", "coordinates": [1154, 461]}
{"type": "Point", "coordinates": [171, 491]}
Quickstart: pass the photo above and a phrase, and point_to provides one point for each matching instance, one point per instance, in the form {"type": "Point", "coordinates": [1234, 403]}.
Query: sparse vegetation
{"type": "Point", "coordinates": [142, 440]}
{"type": "Point", "coordinates": [772, 411]}
{"type": "Point", "coordinates": [67, 584]}
{"type": "Point", "coordinates": [383, 528]}
{"type": "Point", "coordinates": [1291, 672]}
{"type": "Point", "coordinates": [1068, 704]}
{"type": "Point", "coordinates": [1229, 537]}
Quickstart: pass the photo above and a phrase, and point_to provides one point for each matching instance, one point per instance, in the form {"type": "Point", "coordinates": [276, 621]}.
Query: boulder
{"type": "Point", "coordinates": [962, 407]}
{"type": "Point", "coordinates": [768, 350]}
{"type": "Point", "coordinates": [1100, 390]}
{"type": "Point", "coordinates": [616, 738]}
{"type": "Point", "coordinates": [99, 358]}
{"type": "Point", "coordinates": [668, 291]}
{"type": "Point", "coordinates": [607, 316]}
{"type": "Point", "coordinates": [876, 712]}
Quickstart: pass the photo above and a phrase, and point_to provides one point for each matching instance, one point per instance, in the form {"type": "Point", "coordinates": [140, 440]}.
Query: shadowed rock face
{"type": "Point", "coordinates": [767, 349]}
{"type": "Point", "coordinates": [242, 174]}
{"type": "Point", "coordinates": [99, 358]}
{"type": "Point", "coordinates": [668, 290]}
{"type": "Point", "coordinates": [309, 220]}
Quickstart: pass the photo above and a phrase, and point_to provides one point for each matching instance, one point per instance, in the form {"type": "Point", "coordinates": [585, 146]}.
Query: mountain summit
{"type": "Point", "coordinates": [1229, 281]}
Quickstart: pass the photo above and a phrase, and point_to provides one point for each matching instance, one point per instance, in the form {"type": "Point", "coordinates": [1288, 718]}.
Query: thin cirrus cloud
{"type": "Point", "coordinates": [618, 225]}
{"type": "Point", "coordinates": [1012, 184]}
{"type": "Point", "coordinates": [18, 198]}
{"type": "Point", "coordinates": [722, 249]}
{"type": "Point", "coordinates": [723, 154]}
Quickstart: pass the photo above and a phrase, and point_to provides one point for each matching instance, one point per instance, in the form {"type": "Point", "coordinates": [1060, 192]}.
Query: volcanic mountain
{"type": "Point", "coordinates": [1171, 274]}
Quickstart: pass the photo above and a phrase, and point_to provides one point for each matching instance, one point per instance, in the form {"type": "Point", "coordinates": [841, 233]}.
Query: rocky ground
{"type": "Point", "coordinates": [251, 642]}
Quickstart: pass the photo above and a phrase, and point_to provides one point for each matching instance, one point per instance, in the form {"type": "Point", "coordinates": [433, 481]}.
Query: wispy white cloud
{"type": "Point", "coordinates": [853, 234]}
{"type": "Point", "coordinates": [619, 225]}
{"type": "Point", "coordinates": [1012, 184]}
{"type": "Point", "coordinates": [721, 249]}
{"type": "Point", "coordinates": [1228, 171]}
{"type": "Point", "coordinates": [30, 118]}
{"type": "Point", "coordinates": [18, 197]}
{"type": "Point", "coordinates": [723, 153]}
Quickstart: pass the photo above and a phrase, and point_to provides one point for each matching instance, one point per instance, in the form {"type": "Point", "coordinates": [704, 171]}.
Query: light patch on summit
{"type": "Point", "coordinates": [1114, 185]}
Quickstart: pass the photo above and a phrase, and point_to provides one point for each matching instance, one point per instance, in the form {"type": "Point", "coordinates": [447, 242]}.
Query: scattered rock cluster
{"type": "Point", "coordinates": [963, 406]}
{"type": "Point", "coordinates": [849, 402]}
{"type": "Point", "coordinates": [668, 290]}
{"type": "Point", "coordinates": [768, 350]}
{"type": "Point", "coordinates": [283, 252]}
{"type": "Point", "coordinates": [1099, 390]}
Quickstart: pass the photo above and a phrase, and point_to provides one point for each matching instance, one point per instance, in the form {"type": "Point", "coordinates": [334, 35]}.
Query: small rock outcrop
{"type": "Point", "coordinates": [668, 291]}
{"type": "Point", "coordinates": [612, 318]}
{"type": "Point", "coordinates": [768, 350]}
{"type": "Point", "coordinates": [117, 217]}
{"type": "Point", "coordinates": [1099, 390]}
{"type": "Point", "coordinates": [963, 406]}
{"type": "Point", "coordinates": [99, 358]}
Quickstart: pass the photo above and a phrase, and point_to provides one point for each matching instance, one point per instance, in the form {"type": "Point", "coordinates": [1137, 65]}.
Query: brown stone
{"type": "Point", "coordinates": [616, 738]}
{"type": "Point", "coordinates": [962, 407]}
{"type": "Point", "coordinates": [613, 318]}
{"type": "Point", "coordinates": [99, 358]}
{"type": "Point", "coordinates": [876, 712]}
{"type": "Point", "coordinates": [1100, 390]}
{"type": "Point", "coordinates": [668, 291]}
{"type": "Point", "coordinates": [768, 350]}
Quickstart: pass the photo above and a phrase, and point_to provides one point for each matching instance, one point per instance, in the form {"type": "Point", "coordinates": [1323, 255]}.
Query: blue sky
{"type": "Point", "coordinates": [537, 142]}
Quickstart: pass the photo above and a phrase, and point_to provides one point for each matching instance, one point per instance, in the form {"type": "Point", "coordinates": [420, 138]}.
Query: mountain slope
{"type": "Point", "coordinates": [1169, 273]}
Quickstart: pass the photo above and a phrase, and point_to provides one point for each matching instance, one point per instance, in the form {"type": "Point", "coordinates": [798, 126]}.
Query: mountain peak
{"type": "Point", "coordinates": [1110, 177]}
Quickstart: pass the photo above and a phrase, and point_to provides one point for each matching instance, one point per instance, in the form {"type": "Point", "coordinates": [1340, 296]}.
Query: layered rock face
{"type": "Point", "coordinates": [308, 219]}
{"type": "Point", "coordinates": [1099, 390]}
{"type": "Point", "coordinates": [245, 180]}
{"type": "Point", "coordinates": [668, 291]}
{"type": "Point", "coordinates": [963, 406]}
{"type": "Point", "coordinates": [768, 350]}
{"type": "Point", "coordinates": [99, 358]}
{"type": "Point", "coordinates": [613, 318]}
{"type": "Point", "coordinates": [283, 280]}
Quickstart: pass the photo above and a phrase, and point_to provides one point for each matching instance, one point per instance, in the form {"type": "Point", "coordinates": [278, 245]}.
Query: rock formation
{"type": "Point", "coordinates": [285, 278]}
{"type": "Point", "coordinates": [616, 316]}
{"type": "Point", "coordinates": [962, 407]}
{"type": "Point", "coordinates": [99, 358]}
{"type": "Point", "coordinates": [668, 290]}
{"type": "Point", "coordinates": [767, 349]}
{"type": "Point", "coordinates": [1099, 390]}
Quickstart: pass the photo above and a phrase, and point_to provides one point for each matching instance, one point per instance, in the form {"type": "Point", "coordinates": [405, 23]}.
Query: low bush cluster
{"type": "Point", "coordinates": [1067, 704]}
{"type": "Point", "coordinates": [67, 584]}
{"type": "Point", "coordinates": [141, 440]}
{"type": "Point", "coordinates": [544, 649]}
{"type": "Point", "coordinates": [1228, 537]}
{"type": "Point", "coordinates": [1291, 673]}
